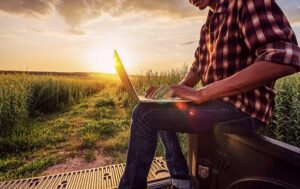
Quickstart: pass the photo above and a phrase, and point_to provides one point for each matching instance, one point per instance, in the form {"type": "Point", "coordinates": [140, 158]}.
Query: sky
{"type": "Point", "coordinates": [80, 35]}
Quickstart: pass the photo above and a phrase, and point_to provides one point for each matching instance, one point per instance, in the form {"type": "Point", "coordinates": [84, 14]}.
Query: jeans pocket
{"type": "Point", "coordinates": [244, 125]}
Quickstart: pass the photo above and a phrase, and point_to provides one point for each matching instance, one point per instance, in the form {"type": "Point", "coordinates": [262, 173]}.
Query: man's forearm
{"type": "Point", "coordinates": [256, 75]}
{"type": "Point", "coordinates": [191, 79]}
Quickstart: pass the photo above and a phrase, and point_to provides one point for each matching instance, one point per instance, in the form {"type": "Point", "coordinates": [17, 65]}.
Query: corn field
{"type": "Point", "coordinates": [285, 123]}
{"type": "Point", "coordinates": [25, 96]}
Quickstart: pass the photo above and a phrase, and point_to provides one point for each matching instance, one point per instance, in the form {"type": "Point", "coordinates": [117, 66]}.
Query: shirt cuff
{"type": "Point", "coordinates": [280, 52]}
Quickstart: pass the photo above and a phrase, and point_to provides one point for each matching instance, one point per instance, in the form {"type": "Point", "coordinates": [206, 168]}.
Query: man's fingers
{"type": "Point", "coordinates": [152, 92]}
{"type": "Point", "coordinates": [162, 91]}
{"type": "Point", "coordinates": [156, 92]}
{"type": "Point", "coordinates": [149, 91]}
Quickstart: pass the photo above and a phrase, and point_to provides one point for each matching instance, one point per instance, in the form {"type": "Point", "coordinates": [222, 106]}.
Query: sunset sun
{"type": "Point", "coordinates": [100, 59]}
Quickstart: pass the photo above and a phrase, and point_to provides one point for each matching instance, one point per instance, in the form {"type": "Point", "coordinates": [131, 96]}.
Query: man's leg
{"type": "Point", "coordinates": [175, 159]}
{"type": "Point", "coordinates": [173, 154]}
{"type": "Point", "coordinates": [143, 141]}
{"type": "Point", "coordinates": [148, 119]}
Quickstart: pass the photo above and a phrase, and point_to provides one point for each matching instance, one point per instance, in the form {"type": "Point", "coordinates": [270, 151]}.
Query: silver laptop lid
{"type": "Point", "coordinates": [124, 76]}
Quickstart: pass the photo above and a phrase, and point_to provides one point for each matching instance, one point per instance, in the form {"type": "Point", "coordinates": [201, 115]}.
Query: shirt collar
{"type": "Point", "coordinates": [221, 7]}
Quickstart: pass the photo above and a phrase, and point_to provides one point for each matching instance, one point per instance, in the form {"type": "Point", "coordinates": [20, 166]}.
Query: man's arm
{"type": "Point", "coordinates": [191, 79]}
{"type": "Point", "coordinates": [256, 75]}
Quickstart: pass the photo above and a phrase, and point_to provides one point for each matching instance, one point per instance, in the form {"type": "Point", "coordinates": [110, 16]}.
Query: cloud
{"type": "Point", "coordinates": [177, 8]}
{"type": "Point", "coordinates": [77, 12]}
{"type": "Point", "coordinates": [76, 31]}
{"type": "Point", "coordinates": [27, 7]}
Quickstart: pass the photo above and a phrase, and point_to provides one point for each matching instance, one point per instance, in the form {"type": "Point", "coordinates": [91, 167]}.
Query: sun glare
{"type": "Point", "coordinates": [101, 60]}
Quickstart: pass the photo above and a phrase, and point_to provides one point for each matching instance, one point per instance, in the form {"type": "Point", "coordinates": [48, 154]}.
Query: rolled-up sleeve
{"type": "Point", "coordinates": [267, 32]}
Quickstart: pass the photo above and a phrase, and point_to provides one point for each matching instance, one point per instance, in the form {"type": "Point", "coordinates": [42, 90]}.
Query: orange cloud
{"type": "Point", "coordinates": [27, 7]}
{"type": "Point", "coordinates": [176, 8]}
{"type": "Point", "coordinates": [77, 12]}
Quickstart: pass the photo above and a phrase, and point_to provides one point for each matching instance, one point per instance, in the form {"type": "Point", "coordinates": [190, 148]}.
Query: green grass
{"type": "Point", "coordinates": [118, 143]}
{"type": "Point", "coordinates": [105, 128]}
{"type": "Point", "coordinates": [36, 166]}
{"type": "Point", "coordinates": [107, 102]}
{"type": "Point", "coordinates": [89, 140]}
{"type": "Point", "coordinates": [89, 156]}
{"type": "Point", "coordinates": [16, 168]}
{"type": "Point", "coordinates": [39, 118]}
{"type": "Point", "coordinates": [32, 137]}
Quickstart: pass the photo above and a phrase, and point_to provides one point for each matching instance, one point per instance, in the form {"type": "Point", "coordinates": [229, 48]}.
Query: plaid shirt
{"type": "Point", "coordinates": [237, 34]}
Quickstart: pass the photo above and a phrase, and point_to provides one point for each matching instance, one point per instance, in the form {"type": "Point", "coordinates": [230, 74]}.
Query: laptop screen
{"type": "Point", "coordinates": [124, 76]}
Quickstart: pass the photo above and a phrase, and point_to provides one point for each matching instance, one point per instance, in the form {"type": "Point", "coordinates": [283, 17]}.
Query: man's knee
{"type": "Point", "coordinates": [142, 119]}
{"type": "Point", "coordinates": [139, 110]}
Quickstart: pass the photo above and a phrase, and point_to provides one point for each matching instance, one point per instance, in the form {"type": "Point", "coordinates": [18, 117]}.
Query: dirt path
{"type": "Point", "coordinates": [92, 133]}
{"type": "Point", "coordinates": [78, 163]}
{"type": "Point", "coordinates": [78, 116]}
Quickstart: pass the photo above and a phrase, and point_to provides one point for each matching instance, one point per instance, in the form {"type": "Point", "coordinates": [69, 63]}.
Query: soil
{"type": "Point", "coordinates": [78, 163]}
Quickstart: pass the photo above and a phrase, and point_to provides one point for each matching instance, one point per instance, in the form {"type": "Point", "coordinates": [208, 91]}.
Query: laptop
{"type": "Point", "coordinates": [130, 89]}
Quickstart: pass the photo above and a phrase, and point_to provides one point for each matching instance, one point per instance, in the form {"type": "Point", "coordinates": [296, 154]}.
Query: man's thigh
{"type": "Point", "coordinates": [191, 118]}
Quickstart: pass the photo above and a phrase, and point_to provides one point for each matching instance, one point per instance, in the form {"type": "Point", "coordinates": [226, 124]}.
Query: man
{"type": "Point", "coordinates": [244, 46]}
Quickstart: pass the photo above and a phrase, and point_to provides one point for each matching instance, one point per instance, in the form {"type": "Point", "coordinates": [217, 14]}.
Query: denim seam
{"type": "Point", "coordinates": [172, 155]}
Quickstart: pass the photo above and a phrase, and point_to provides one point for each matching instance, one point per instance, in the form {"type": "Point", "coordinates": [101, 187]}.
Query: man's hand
{"type": "Point", "coordinates": [159, 92]}
{"type": "Point", "coordinates": [184, 92]}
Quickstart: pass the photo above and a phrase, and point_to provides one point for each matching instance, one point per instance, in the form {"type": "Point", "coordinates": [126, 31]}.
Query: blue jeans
{"type": "Point", "coordinates": [151, 120]}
